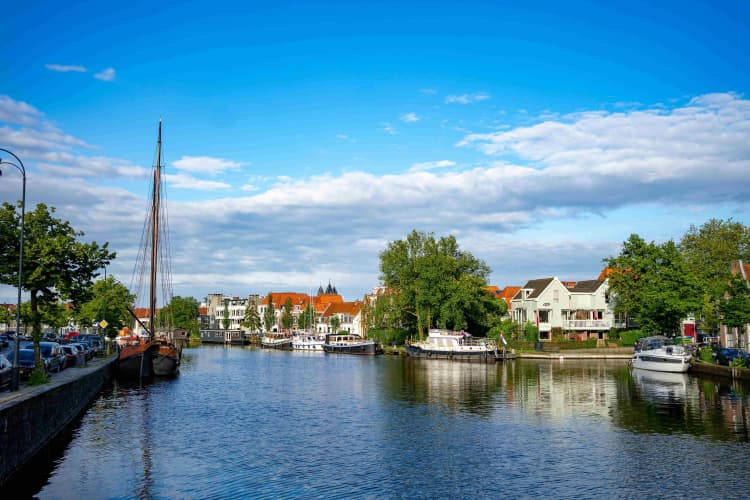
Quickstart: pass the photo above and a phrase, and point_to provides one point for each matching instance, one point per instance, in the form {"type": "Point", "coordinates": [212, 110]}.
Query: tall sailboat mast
{"type": "Point", "coordinates": [154, 237]}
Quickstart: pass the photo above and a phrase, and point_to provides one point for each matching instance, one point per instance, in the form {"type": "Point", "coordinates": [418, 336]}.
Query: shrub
{"type": "Point", "coordinates": [530, 332]}
{"type": "Point", "coordinates": [630, 337]}
{"type": "Point", "coordinates": [38, 377]}
{"type": "Point", "coordinates": [706, 354]}
{"type": "Point", "coordinates": [387, 336]}
{"type": "Point", "coordinates": [739, 362]}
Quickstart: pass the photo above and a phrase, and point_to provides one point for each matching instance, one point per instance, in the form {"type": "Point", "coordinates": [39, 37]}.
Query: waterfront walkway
{"type": "Point", "coordinates": [55, 379]}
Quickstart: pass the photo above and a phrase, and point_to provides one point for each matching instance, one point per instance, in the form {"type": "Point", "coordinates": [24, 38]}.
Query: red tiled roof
{"type": "Point", "coordinates": [508, 293]}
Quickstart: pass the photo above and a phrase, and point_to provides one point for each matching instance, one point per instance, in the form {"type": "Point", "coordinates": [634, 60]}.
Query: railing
{"type": "Point", "coordinates": [587, 324]}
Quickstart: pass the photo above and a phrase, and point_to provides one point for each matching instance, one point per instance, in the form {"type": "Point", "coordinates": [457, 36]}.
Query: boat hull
{"type": "Point", "coordinates": [136, 361]}
{"type": "Point", "coordinates": [362, 348]}
{"type": "Point", "coordinates": [482, 356]}
{"type": "Point", "coordinates": [285, 344]}
{"type": "Point", "coordinates": [660, 363]}
{"type": "Point", "coordinates": [166, 361]}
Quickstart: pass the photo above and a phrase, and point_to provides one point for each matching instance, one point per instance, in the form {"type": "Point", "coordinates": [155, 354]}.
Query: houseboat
{"type": "Point", "coordinates": [459, 346]}
{"type": "Point", "coordinates": [350, 344]}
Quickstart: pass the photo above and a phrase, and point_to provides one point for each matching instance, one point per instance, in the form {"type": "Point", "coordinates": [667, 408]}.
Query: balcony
{"type": "Point", "coordinates": [587, 324]}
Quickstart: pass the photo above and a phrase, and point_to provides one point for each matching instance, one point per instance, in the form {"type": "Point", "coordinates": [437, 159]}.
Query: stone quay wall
{"type": "Point", "coordinates": [33, 416]}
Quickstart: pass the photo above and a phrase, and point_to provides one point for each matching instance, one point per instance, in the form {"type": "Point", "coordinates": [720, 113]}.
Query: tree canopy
{"type": "Point", "coordinates": [56, 265]}
{"type": "Point", "coordinates": [183, 313]}
{"type": "Point", "coordinates": [654, 285]}
{"type": "Point", "coordinates": [109, 302]}
{"type": "Point", "coordinates": [287, 319]}
{"type": "Point", "coordinates": [710, 249]}
{"type": "Point", "coordinates": [434, 283]}
{"type": "Point", "coordinates": [269, 315]}
{"type": "Point", "coordinates": [252, 318]}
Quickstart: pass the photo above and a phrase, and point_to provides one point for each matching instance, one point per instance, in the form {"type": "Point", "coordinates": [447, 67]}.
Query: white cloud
{"type": "Point", "coordinates": [12, 111]}
{"type": "Point", "coordinates": [574, 171]}
{"type": "Point", "coordinates": [65, 68]}
{"type": "Point", "coordinates": [430, 165]}
{"type": "Point", "coordinates": [409, 117]}
{"type": "Point", "coordinates": [106, 75]}
{"type": "Point", "coordinates": [205, 165]}
{"type": "Point", "coordinates": [467, 98]}
{"type": "Point", "coordinates": [182, 181]}
{"type": "Point", "coordinates": [389, 129]}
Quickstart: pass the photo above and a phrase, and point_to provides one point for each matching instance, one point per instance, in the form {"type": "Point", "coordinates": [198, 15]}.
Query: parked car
{"type": "Point", "coordinates": [96, 343]}
{"type": "Point", "coordinates": [53, 356]}
{"type": "Point", "coordinates": [6, 372]}
{"type": "Point", "coordinates": [25, 362]}
{"type": "Point", "coordinates": [4, 341]}
{"type": "Point", "coordinates": [85, 348]}
{"type": "Point", "coordinates": [73, 355]}
{"type": "Point", "coordinates": [726, 355]}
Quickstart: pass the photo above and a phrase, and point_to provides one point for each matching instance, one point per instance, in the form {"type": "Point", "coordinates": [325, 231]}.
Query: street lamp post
{"type": "Point", "coordinates": [20, 167]}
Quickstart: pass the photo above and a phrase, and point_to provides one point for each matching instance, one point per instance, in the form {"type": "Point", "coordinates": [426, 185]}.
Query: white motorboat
{"type": "Point", "coordinates": [272, 340]}
{"type": "Point", "coordinates": [659, 353]}
{"type": "Point", "coordinates": [448, 344]}
{"type": "Point", "coordinates": [306, 341]}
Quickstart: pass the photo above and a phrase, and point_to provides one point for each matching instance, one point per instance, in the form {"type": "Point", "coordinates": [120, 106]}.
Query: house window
{"type": "Point", "coordinates": [544, 315]}
{"type": "Point", "coordinates": [556, 296]}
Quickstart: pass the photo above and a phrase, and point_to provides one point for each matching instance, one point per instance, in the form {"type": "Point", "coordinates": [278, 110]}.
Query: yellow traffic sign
{"type": "Point", "coordinates": [103, 323]}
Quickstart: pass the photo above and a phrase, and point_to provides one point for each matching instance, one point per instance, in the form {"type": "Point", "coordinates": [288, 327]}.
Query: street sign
{"type": "Point", "coordinates": [103, 323]}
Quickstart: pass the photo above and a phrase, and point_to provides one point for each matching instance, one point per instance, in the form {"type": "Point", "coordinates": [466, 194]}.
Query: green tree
{"type": "Point", "coordinates": [653, 284]}
{"type": "Point", "coordinates": [225, 315]}
{"type": "Point", "coordinates": [306, 320]}
{"type": "Point", "coordinates": [56, 264]}
{"type": "Point", "coordinates": [287, 320]}
{"type": "Point", "coordinates": [269, 315]}
{"type": "Point", "coordinates": [6, 317]}
{"type": "Point", "coordinates": [252, 318]}
{"type": "Point", "coordinates": [433, 282]}
{"type": "Point", "coordinates": [335, 323]}
{"type": "Point", "coordinates": [182, 313]}
{"type": "Point", "coordinates": [110, 302]}
{"type": "Point", "coordinates": [710, 249]}
{"type": "Point", "coordinates": [709, 315]}
{"type": "Point", "coordinates": [735, 306]}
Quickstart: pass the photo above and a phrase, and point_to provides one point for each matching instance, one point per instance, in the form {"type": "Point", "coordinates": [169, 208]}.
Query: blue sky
{"type": "Point", "coordinates": [301, 138]}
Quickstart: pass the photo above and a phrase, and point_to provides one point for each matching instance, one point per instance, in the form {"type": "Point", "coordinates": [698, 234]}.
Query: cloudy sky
{"type": "Point", "coordinates": [299, 140]}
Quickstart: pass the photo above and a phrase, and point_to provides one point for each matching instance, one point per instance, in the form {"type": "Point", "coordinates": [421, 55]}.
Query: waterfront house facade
{"type": "Point", "coordinates": [579, 310]}
{"type": "Point", "coordinates": [737, 337]}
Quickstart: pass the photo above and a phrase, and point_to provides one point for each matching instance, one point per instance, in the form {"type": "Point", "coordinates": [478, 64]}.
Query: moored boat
{"type": "Point", "coordinates": [350, 344]}
{"type": "Point", "coordinates": [272, 340]}
{"type": "Point", "coordinates": [459, 346]}
{"type": "Point", "coordinates": [151, 356]}
{"type": "Point", "coordinates": [658, 353]}
{"type": "Point", "coordinates": [306, 341]}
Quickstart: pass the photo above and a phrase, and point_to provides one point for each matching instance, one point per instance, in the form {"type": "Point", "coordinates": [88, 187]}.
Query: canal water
{"type": "Point", "coordinates": [251, 423]}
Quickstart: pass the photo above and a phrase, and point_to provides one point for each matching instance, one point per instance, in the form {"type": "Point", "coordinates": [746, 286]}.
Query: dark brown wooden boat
{"type": "Point", "coordinates": [155, 356]}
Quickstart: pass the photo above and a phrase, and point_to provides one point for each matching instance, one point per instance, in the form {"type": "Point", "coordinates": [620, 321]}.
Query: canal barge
{"type": "Point", "coordinates": [351, 344]}
{"type": "Point", "coordinates": [458, 346]}
{"type": "Point", "coordinates": [276, 341]}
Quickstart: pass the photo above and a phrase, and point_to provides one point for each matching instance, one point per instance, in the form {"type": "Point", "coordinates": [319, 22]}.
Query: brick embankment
{"type": "Point", "coordinates": [31, 417]}
{"type": "Point", "coordinates": [720, 370]}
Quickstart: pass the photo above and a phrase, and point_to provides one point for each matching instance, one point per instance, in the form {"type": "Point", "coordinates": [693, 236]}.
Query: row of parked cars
{"type": "Point", "coordinates": [57, 354]}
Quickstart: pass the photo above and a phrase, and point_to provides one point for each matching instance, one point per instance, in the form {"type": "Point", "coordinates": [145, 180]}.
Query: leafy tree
{"type": "Point", "coordinates": [225, 315]}
{"type": "Point", "coordinates": [433, 282]}
{"type": "Point", "coordinates": [269, 315]}
{"type": "Point", "coordinates": [735, 307]}
{"type": "Point", "coordinates": [252, 318]}
{"type": "Point", "coordinates": [6, 317]}
{"type": "Point", "coordinates": [709, 314]}
{"type": "Point", "coordinates": [653, 284]}
{"type": "Point", "coordinates": [530, 332]}
{"type": "Point", "coordinates": [56, 264]}
{"type": "Point", "coordinates": [335, 323]}
{"type": "Point", "coordinates": [183, 313]}
{"type": "Point", "coordinates": [110, 300]}
{"type": "Point", "coordinates": [287, 320]}
{"type": "Point", "coordinates": [307, 318]}
{"type": "Point", "coordinates": [710, 249]}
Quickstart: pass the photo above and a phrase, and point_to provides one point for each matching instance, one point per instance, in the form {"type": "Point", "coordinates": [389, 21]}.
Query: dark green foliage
{"type": "Point", "coordinates": [630, 337]}
{"type": "Point", "coordinates": [530, 332]}
{"type": "Point", "coordinates": [653, 284]}
{"type": "Point", "coordinates": [287, 319]}
{"type": "Point", "coordinates": [252, 318]}
{"type": "Point", "coordinates": [433, 283]}
{"type": "Point", "coordinates": [735, 306]}
{"type": "Point", "coordinates": [183, 313]}
{"type": "Point", "coordinates": [388, 336]}
{"type": "Point", "coordinates": [109, 302]}
{"type": "Point", "coordinates": [269, 315]}
{"type": "Point", "coordinates": [225, 315]}
{"type": "Point", "coordinates": [710, 249]}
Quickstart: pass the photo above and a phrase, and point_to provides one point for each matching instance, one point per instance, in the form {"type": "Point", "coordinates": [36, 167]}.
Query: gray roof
{"type": "Point", "coordinates": [536, 286]}
{"type": "Point", "coordinates": [589, 286]}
